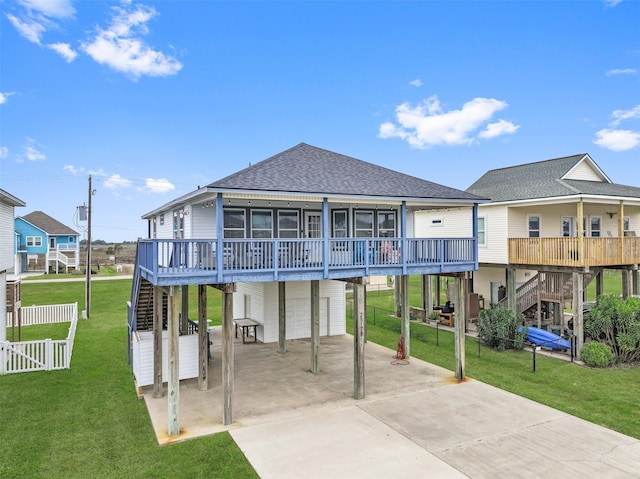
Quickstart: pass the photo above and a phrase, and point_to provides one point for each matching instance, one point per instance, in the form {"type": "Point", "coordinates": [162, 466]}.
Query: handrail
{"type": "Point", "coordinates": [180, 256]}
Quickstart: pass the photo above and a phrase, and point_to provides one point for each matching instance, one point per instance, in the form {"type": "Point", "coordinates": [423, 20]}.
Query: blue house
{"type": "Point", "coordinates": [45, 243]}
{"type": "Point", "coordinates": [281, 239]}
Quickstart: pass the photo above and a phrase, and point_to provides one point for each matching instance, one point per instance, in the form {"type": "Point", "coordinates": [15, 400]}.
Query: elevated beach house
{"type": "Point", "coordinates": [281, 239]}
{"type": "Point", "coordinates": [550, 228]}
{"type": "Point", "coordinates": [46, 243]}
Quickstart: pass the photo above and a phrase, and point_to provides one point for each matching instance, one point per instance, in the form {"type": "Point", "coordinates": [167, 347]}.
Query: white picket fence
{"type": "Point", "coordinates": [44, 354]}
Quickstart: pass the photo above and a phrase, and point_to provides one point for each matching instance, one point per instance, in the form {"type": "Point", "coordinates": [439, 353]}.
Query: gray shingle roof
{"type": "Point", "coordinates": [543, 179]}
{"type": "Point", "coordinates": [308, 169]}
{"type": "Point", "coordinates": [47, 224]}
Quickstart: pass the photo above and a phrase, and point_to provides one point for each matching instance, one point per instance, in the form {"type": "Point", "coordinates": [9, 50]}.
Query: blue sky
{"type": "Point", "coordinates": [154, 98]}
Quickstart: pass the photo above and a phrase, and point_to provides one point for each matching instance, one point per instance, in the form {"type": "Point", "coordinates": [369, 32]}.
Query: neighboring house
{"type": "Point", "coordinates": [550, 228]}
{"type": "Point", "coordinates": [7, 255]}
{"type": "Point", "coordinates": [45, 243]}
{"type": "Point", "coordinates": [281, 239]}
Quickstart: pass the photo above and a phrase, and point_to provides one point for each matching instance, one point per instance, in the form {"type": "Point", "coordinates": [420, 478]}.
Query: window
{"type": "Point", "coordinates": [34, 240]}
{"type": "Point", "coordinates": [288, 224]}
{"type": "Point", "coordinates": [178, 224]}
{"type": "Point", "coordinates": [340, 227]}
{"type": "Point", "coordinates": [234, 223]}
{"type": "Point", "coordinates": [262, 224]}
{"type": "Point", "coordinates": [482, 231]}
{"type": "Point", "coordinates": [595, 226]}
{"type": "Point", "coordinates": [437, 221]}
{"type": "Point", "coordinates": [386, 224]}
{"type": "Point", "coordinates": [364, 224]}
{"type": "Point", "coordinates": [534, 226]}
{"type": "Point", "coordinates": [568, 227]}
{"type": "Point", "coordinates": [154, 228]}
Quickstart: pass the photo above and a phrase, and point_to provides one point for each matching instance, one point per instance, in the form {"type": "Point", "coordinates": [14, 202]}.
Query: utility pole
{"type": "Point", "coordinates": [88, 290]}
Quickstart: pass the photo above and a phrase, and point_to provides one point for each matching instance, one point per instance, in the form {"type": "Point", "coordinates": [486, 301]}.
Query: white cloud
{"type": "Point", "coordinates": [427, 124]}
{"type": "Point", "coordinates": [29, 29]}
{"type": "Point", "coordinates": [621, 115]}
{"type": "Point", "coordinates": [611, 3]}
{"type": "Point", "coordinates": [417, 82]}
{"type": "Point", "coordinates": [621, 71]}
{"type": "Point", "coordinates": [157, 185]}
{"type": "Point", "coordinates": [32, 152]}
{"type": "Point", "coordinates": [73, 170]}
{"type": "Point", "coordinates": [4, 96]}
{"type": "Point", "coordinates": [64, 50]}
{"type": "Point", "coordinates": [617, 140]}
{"type": "Point", "coordinates": [116, 181]}
{"type": "Point", "coordinates": [502, 127]}
{"type": "Point", "coordinates": [4, 152]}
{"type": "Point", "coordinates": [51, 8]}
{"type": "Point", "coordinates": [121, 47]}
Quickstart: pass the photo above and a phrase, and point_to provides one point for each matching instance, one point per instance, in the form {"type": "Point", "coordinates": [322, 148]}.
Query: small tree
{"type": "Point", "coordinates": [616, 323]}
{"type": "Point", "coordinates": [498, 328]}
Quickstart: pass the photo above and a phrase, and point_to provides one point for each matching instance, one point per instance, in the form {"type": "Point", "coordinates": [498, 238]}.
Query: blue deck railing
{"type": "Point", "coordinates": [201, 261]}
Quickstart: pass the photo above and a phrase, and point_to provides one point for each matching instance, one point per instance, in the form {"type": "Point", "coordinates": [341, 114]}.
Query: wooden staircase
{"type": "Point", "coordinates": [142, 298]}
{"type": "Point", "coordinates": [551, 287]}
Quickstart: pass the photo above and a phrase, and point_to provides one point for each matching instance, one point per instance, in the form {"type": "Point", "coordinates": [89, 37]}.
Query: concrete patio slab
{"type": "Point", "coordinates": [416, 420]}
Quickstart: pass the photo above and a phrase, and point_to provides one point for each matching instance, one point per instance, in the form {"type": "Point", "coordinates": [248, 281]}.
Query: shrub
{"type": "Point", "coordinates": [597, 355]}
{"type": "Point", "coordinates": [498, 328]}
{"type": "Point", "coordinates": [616, 323]}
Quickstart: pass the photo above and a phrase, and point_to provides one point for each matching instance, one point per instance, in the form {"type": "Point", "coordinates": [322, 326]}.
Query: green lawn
{"type": "Point", "coordinates": [88, 421]}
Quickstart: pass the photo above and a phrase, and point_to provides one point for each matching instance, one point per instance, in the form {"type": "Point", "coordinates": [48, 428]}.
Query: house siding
{"type": "Point", "coordinates": [495, 250]}
{"type": "Point", "coordinates": [261, 301]}
{"type": "Point", "coordinates": [455, 223]}
{"type": "Point", "coordinates": [7, 238]}
{"type": "Point", "coordinates": [26, 229]}
{"type": "Point", "coordinates": [584, 171]}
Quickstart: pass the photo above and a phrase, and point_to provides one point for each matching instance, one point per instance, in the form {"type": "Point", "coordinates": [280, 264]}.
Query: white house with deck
{"type": "Point", "coordinates": [550, 228]}
{"type": "Point", "coordinates": [280, 239]}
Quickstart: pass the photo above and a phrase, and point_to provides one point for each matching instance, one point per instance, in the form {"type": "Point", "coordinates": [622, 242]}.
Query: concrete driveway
{"type": "Point", "coordinates": [416, 421]}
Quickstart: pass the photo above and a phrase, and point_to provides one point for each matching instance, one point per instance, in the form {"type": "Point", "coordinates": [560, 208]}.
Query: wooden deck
{"type": "Point", "coordinates": [576, 252]}
{"type": "Point", "coordinates": [210, 261]}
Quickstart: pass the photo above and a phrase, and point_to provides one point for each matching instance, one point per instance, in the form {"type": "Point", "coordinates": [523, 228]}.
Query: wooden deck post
{"type": "Point", "coordinates": [578, 303]}
{"type": "Point", "coordinates": [184, 323]}
{"type": "Point", "coordinates": [157, 341]}
{"type": "Point", "coordinates": [626, 283]}
{"type": "Point", "coordinates": [405, 314]}
{"type": "Point", "coordinates": [635, 287]}
{"type": "Point", "coordinates": [228, 355]}
{"type": "Point", "coordinates": [203, 339]}
{"type": "Point", "coordinates": [315, 325]}
{"type": "Point", "coordinates": [282, 317]}
{"type": "Point", "coordinates": [397, 294]}
{"type": "Point", "coordinates": [427, 294]}
{"type": "Point", "coordinates": [511, 289]}
{"type": "Point", "coordinates": [438, 292]}
{"type": "Point", "coordinates": [173, 383]}
{"type": "Point", "coordinates": [600, 283]}
{"type": "Point", "coordinates": [358, 340]}
{"type": "Point", "coordinates": [460, 319]}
